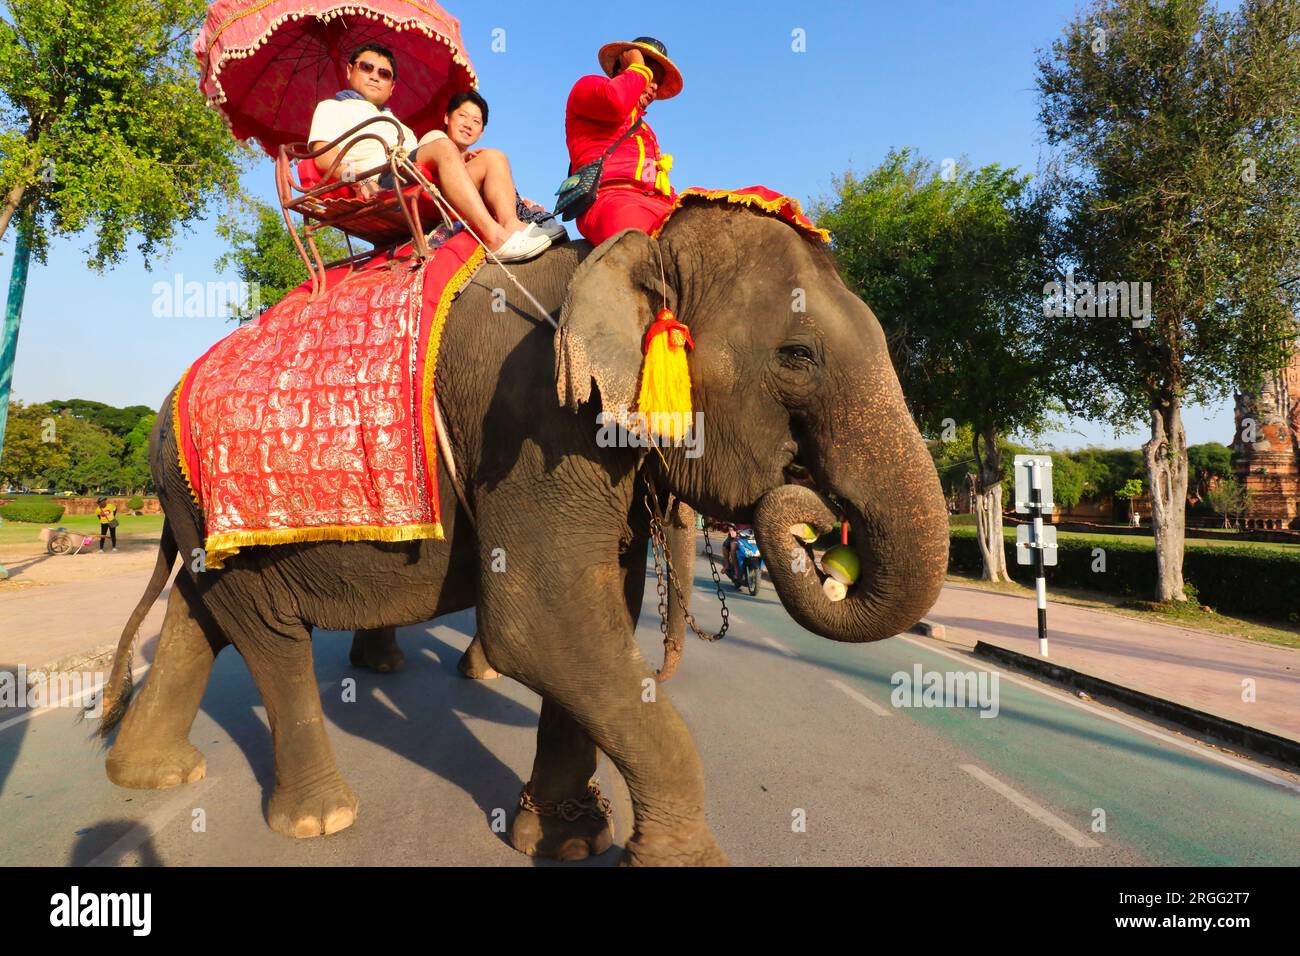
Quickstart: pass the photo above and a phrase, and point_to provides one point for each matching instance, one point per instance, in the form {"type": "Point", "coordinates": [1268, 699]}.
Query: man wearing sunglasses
{"type": "Point", "coordinates": [372, 76]}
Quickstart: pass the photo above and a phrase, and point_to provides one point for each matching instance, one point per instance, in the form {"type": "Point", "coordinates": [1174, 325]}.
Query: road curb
{"type": "Point", "coordinates": [1218, 729]}
{"type": "Point", "coordinates": [928, 628]}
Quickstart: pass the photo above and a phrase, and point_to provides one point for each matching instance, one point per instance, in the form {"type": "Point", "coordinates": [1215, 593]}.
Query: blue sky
{"type": "Point", "coordinates": [953, 79]}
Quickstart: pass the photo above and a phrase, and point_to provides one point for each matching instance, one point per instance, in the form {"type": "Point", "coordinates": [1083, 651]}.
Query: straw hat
{"type": "Point", "coordinates": [651, 49]}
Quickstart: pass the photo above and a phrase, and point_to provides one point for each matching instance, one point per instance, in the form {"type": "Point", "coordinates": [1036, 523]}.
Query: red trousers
{"type": "Point", "coordinates": [616, 209]}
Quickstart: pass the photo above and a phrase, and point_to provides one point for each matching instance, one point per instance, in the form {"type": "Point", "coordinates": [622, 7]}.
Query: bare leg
{"type": "Point", "coordinates": [490, 171]}
{"type": "Point", "coordinates": [461, 192]}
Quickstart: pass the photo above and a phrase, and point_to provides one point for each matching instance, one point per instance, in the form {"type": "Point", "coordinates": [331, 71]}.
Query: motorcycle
{"type": "Point", "coordinates": [749, 563]}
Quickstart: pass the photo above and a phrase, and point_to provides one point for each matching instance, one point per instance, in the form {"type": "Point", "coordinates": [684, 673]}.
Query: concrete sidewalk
{"type": "Point", "coordinates": [65, 623]}
{"type": "Point", "coordinates": [1198, 670]}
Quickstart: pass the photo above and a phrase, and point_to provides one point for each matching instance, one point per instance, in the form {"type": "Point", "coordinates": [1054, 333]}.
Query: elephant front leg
{"type": "Point", "coordinates": [566, 633]}
{"type": "Point", "coordinates": [562, 814]}
{"type": "Point", "coordinates": [311, 798]}
{"type": "Point", "coordinates": [376, 649]}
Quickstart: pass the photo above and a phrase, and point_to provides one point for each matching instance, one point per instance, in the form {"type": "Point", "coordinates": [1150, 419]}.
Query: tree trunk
{"type": "Point", "coordinates": [988, 507]}
{"type": "Point", "coordinates": [11, 205]}
{"type": "Point", "coordinates": [1166, 461]}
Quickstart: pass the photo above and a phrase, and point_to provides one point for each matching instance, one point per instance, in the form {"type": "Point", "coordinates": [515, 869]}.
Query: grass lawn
{"type": "Point", "coordinates": [130, 526]}
{"type": "Point", "coordinates": [1229, 539]}
{"type": "Point", "coordinates": [1187, 614]}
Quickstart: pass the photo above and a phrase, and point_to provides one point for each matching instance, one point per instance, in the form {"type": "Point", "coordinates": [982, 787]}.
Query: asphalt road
{"type": "Point", "coordinates": [806, 758]}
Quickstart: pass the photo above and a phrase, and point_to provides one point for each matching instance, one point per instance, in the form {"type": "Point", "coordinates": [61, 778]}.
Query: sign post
{"type": "Point", "coordinates": [1036, 543]}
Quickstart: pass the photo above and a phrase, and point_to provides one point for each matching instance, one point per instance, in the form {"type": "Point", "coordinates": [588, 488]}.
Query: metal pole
{"type": "Point", "coordinates": [1036, 509]}
{"type": "Point", "coordinates": [9, 341]}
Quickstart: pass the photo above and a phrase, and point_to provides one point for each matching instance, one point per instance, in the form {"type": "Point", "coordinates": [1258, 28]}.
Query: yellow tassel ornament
{"type": "Point", "coordinates": [665, 400]}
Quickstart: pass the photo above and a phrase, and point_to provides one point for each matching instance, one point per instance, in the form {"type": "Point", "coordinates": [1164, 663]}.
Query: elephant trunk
{"type": "Point", "coordinates": [885, 485]}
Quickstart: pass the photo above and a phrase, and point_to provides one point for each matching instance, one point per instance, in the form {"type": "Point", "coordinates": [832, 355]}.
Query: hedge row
{"type": "Point", "coordinates": [37, 512]}
{"type": "Point", "coordinates": [1253, 581]}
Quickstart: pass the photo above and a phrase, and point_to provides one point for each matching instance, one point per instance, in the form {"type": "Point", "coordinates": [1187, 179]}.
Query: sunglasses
{"type": "Point", "coordinates": [369, 66]}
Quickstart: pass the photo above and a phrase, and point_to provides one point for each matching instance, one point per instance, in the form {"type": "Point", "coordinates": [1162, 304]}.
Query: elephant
{"type": "Point", "coordinates": [804, 421]}
{"type": "Point", "coordinates": [377, 649]}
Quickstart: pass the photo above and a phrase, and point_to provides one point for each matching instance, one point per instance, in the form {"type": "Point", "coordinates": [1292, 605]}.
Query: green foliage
{"type": "Point", "coordinates": [954, 269]}
{"type": "Point", "coordinates": [1068, 478]}
{"type": "Point", "coordinates": [1230, 499]}
{"type": "Point", "coordinates": [36, 512]}
{"type": "Point", "coordinates": [103, 125]}
{"type": "Point", "coordinates": [1106, 470]}
{"type": "Point", "coordinates": [66, 451]}
{"type": "Point", "coordinates": [1181, 154]}
{"type": "Point", "coordinates": [1132, 489]}
{"type": "Point", "coordinates": [135, 504]}
{"type": "Point", "coordinates": [263, 255]}
{"type": "Point", "coordinates": [1250, 581]}
{"type": "Point", "coordinates": [1206, 463]}
{"type": "Point", "coordinates": [117, 421]}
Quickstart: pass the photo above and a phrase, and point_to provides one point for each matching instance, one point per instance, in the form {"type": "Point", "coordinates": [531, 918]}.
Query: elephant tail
{"type": "Point", "coordinates": [119, 686]}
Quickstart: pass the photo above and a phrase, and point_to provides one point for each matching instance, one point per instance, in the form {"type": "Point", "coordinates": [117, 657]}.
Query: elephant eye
{"type": "Point", "coordinates": [797, 356]}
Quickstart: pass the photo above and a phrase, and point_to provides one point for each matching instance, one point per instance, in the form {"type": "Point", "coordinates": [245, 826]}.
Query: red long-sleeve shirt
{"type": "Point", "coordinates": [599, 111]}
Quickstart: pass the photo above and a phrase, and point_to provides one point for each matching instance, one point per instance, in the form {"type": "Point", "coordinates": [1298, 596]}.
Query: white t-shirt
{"type": "Point", "coordinates": [333, 118]}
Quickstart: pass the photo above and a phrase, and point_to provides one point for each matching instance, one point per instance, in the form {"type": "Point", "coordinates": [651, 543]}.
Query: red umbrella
{"type": "Point", "coordinates": [267, 63]}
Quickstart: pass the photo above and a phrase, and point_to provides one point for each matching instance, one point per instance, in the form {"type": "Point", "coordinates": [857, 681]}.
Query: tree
{"type": "Point", "coordinates": [1068, 477]}
{"type": "Point", "coordinates": [30, 451]}
{"type": "Point", "coordinates": [265, 258]}
{"type": "Point", "coordinates": [1230, 499]}
{"type": "Point", "coordinates": [103, 130]}
{"type": "Point", "coordinates": [1205, 464]}
{"type": "Point", "coordinates": [952, 261]}
{"type": "Point", "coordinates": [1179, 127]}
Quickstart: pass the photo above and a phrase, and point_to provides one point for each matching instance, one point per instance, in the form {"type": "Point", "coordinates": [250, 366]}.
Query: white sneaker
{"type": "Point", "coordinates": [553, 228]}
{"type": "Point", "coordinates": [525, 244]}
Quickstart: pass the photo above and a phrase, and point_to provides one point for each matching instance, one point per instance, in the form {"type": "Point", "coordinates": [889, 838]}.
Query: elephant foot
{"type": "Point", "coordinates": [159, 769]}
{"type": "Point", "coordinates": [474, 663]}
{"type": "Point", "coordinates": [688, 847]}
{"type": "Point", "coordinates": [571, 830]}
{"type": "Point", "coordinates": [314, 811]}
{"type": "Point", "coordinates": [377, 650]}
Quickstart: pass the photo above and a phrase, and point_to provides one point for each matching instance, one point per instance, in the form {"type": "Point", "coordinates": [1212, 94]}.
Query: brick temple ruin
{"type": "Point", "coordinates": [1269, 466]}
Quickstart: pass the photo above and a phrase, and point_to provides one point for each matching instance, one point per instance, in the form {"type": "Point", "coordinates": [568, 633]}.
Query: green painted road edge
{"type": "Point", "coordinates": [1216, 728]}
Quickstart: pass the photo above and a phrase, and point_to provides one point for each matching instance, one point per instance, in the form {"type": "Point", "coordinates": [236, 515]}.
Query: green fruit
{"type": "Point", "coordinates": [841, 563]}
{"type": "Point", "coordinates": [804, 532]}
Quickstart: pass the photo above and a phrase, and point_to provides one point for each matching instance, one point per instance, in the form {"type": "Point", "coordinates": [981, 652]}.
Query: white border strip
{"type": "Point", "coordinates": [1041, 814]}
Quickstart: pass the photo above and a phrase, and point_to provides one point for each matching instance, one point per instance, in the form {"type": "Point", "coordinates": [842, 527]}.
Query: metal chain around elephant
{"type": "Point", "coordinates": [593, 804]}
{"type": "Point", "coordinates": [659, 547]}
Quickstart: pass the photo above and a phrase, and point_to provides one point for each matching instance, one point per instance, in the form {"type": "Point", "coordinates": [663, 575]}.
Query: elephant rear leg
{"type": "Point", "coordinates": [311, 798]}
{"type": "Point", "coordinates": [152, 750]}
{"type": "Point", "coordinates": [561, 814]}
{"type": "Point", "coordinates": [376, 649]}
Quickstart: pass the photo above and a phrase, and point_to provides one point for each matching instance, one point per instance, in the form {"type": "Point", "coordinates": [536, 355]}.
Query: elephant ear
{"type": "Point", "coordinates": [613, 297]}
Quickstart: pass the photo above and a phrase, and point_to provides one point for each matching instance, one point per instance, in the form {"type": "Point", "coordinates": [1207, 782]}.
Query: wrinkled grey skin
{"type": "Point", "coordinates": [777, 387]}
{"type": "Point", "coordinates": [377, 649]}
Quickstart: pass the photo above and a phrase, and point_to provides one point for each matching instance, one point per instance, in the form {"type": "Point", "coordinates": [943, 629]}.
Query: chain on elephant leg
{"type": "Point", "coordinates": [562, 813]}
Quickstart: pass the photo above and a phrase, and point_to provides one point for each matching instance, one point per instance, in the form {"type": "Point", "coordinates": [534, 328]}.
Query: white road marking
{"type": "Point", "coordinates": [1041, 814]}
{"type": "Point", "coordinates": [1200, 750]}
{"type": "Point", "coordinates": [778, 645]}
{"type": "Point", "coordinates": [147, 827]}
{"type": "Point", "coordinates": [866, 702]}
{"type": "Point", "coordinates": [65, 700]}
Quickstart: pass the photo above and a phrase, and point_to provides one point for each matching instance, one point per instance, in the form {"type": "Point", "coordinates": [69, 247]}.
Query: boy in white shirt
{"type": "Point", "coordinates": [372, 75]}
